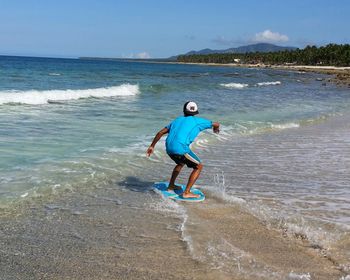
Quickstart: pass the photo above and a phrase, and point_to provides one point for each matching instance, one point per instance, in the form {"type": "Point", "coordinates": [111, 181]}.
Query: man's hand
{"type": "Point", "coordinates": [150, 151]}
{"type": "Point", "coordinates": [216, 127]}
{"type": "Point", "coordinates": [156, 139]}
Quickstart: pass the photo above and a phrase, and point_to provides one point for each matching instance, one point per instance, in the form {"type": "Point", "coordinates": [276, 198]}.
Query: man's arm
{"type": "Point", "coordinates": [216, 127]}
{"type": "Point", "coordinates": [156, 139]}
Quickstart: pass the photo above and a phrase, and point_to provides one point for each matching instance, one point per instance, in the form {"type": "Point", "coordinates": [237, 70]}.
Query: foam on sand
{"type": "Point", "coordinates": [295, 276]}
{"type": "Point", "coordinates": [36, 97]}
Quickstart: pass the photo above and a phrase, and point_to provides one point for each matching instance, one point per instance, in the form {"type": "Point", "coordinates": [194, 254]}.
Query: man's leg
{"type": "Point", "coordinates": [176, 172]}
{"type": "Point", "coordinates": [193, 177]}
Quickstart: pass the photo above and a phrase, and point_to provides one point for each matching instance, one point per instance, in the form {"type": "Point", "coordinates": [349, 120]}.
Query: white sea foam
{"type": "Point", "coordinates": [296, 226]}
{"type": "Point", "coordinates": [54, 74]}
{"type": "Point", "coordinates": [242, 85]}
{"type": "Point", "coordinates": [223, 253]}
{"type": "Point", "coordinates": [269, 83]}
{"type": "Point", "coordinates": [234, 85]}
{"type": "Point", "coordinates": [165, 206]}
{"type": "Point", "coordinates": [220, 190]}
{"type": "Point", "coordinates": [35, 97]}
{"type": "Point", "coordinates": [170, 207]}
{"type": "Point", "coordinates": [24, 195]}
{"type": "Point", "coordinates": [285, 126]}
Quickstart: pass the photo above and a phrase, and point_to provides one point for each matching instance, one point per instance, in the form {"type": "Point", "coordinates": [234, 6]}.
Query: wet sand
{"type": "Point", "coordinates": [95, 236]}
{"type": "Point", "coordinates": [122, 229]}
{"type": "Point", "coordinates": [270, 251]}
{"type": "Point", "coordinates": [55, 241]}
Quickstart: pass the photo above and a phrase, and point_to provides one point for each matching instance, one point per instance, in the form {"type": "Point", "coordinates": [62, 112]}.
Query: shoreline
{"type": "Point", "coordinates": [341, 74]}
{"type": "Point", "coordinates": [101, 234]}
{"type": "Point", "coordinates": [276, 179]}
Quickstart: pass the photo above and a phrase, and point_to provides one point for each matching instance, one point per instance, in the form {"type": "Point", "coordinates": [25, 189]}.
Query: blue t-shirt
{"type": "Point", "coordinates": [182, 132]}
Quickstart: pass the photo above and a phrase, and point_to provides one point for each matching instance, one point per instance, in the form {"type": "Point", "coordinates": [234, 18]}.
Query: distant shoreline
{"type": "Point", "coordinates": [341, 74]}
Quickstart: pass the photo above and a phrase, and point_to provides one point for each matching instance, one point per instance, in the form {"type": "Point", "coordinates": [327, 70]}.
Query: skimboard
{"type": "Point", "coordinates": [177, 194]}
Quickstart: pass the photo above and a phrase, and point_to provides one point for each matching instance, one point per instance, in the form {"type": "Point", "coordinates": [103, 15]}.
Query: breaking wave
{"type": "Point", "coordinates": [242, 85]}
{"type": "Point", "coordinates": [234, 85]}
{"type": "Point", "coordinates": [269, 83]}
{"type": "Point", "coordinates": [35, 97]}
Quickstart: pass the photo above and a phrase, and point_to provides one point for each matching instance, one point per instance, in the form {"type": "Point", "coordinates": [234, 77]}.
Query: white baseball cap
{"type": "Point", "coordinates": [190, 108]}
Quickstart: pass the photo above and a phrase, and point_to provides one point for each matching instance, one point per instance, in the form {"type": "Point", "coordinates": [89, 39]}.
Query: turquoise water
{"type": "Point", "coordinates": [66, 116]}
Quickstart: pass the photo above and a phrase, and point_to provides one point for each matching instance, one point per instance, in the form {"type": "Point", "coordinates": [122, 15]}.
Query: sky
{"type": "Point", "coordinates": [163, 28]}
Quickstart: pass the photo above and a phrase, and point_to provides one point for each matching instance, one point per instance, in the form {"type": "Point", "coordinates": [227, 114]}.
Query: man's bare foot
{"type": "Point", "coordinates": [190, 195]}
{"type": "Point", "coordinates": [174, 188]}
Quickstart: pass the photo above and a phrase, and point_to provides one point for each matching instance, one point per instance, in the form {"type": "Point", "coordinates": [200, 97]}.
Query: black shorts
{"type": "Point", "coordinates": [190, 159]}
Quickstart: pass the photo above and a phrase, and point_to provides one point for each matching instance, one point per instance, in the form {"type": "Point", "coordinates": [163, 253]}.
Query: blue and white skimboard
{"type": "Point", "coordinates": [177, 194]}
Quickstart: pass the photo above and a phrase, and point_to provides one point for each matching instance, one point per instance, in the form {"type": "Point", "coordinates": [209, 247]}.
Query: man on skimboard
{"type": "Point", "coordinates": [181, 133]}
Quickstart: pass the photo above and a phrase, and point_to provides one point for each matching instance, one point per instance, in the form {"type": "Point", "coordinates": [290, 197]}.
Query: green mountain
{"type": "Point", "coordinates": [260, 47]}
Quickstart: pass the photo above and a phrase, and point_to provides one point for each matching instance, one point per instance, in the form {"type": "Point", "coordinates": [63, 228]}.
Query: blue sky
{"type": "Point", "coordinates": [162, 28]}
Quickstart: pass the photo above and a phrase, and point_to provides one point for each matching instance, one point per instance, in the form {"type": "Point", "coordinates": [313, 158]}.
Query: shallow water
{"type": "Point", "coordinates": [76, 187]}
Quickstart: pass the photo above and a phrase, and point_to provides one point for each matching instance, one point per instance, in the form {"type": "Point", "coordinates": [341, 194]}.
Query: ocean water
{"type": "Point", "coordinates": [79, 127]}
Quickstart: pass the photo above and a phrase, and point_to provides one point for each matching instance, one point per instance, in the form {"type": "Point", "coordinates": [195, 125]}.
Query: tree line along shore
{"type": "Point", "coordinates": [330, 59]}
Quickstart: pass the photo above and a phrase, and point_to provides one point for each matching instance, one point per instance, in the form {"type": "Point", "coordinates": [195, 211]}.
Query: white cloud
{"type": "Point", "coordinates": [268, 36]}
{"type": "Point", "coordinates": [141, 55]}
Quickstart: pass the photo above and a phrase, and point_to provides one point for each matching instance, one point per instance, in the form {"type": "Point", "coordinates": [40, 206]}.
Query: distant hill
{"type": "Point", "coordinates": [260, 47]}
